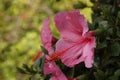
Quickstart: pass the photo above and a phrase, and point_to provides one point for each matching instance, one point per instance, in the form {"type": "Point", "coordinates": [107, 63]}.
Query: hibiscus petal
{"type": "Point", "coordinates": [88, 53]}
{"type": "Point", "coordinates": [46, 36]}
{"type": "Point", "coordinates": [71, 25]}
{"type": "Point", "coordinates": [81, 51]}
{"type": "Point", "coordinates": [73, 55]}
{"type": "Point", "coordinates": [78, 21]}
{"type": "Point", "coordinates": [52, 68]}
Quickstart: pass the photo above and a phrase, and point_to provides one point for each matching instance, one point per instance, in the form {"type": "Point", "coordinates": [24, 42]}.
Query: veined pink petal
{"type": "Point", "coordinates": [88, 52]}
{"type": "Point", "coordinates": [52, 68]}
{"type": "Point", "coordinates": [72, 54]}
{"type": "Point", "coordinates": [76, 39]}
{"type": "Point", "coordinates": [78, 21]}
{"type": "Point", "coordinates": [46, 36]}
{"type": "Point", "coordinates": [71, 25]}
{"type": "Point", "coordinates": [79, 52]}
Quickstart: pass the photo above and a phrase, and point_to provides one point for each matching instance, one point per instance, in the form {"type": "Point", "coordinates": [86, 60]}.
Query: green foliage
{"type": "Point", "coordinates": [35, 70]}
{"type": "Point", "coordinates": [106, 24]}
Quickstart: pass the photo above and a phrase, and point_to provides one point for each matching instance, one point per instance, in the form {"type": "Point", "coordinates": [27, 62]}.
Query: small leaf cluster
{"type": "Point", "coordinates": [34, 71]}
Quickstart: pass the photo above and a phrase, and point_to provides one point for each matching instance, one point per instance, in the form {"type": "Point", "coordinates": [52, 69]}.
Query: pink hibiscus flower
{"type": "Point", "coordinates": [50, 67]}
{"type": "Point", "coordinates": [76, 43]}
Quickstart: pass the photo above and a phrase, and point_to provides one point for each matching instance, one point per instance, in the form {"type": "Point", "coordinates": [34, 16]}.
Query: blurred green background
{"type": "Point", "coordinates": [20, 25]}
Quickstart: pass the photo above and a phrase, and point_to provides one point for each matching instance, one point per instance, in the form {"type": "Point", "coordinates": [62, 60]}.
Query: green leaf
{"type": "Point", "coordinates": [44, 50]}
{"type": "Point", "coordinates": [103, 25]}
{"type": "Point", "coordinates": [110, 31]}
{"type": "Point", "coordinates": [70, 73]}
{"type": "Point", "coordinates": [39, 63]}
{"type": "Point", "coordinates": [42, 62]}
{"type": "Point", "coordinates": [37, 79]}
{"type": "Point", "coordinates": [99, 75]}
{"type": "Point", "coordinates": [119, 14]}
{"type": "Point", "coordinates": [82, 77]}
{"type": "Point", "coordinates": [102, 45]}
{"type": "Point", "coordinates": [118, 32]}
{"type": "Point", "coordinates": [114, 49]}
{"type": "Point", "coordinates": [116, 75]}
{"type": "Point", "coordinates": [21, 70]}
{"type": "Point", "coordinates": [26, 67]}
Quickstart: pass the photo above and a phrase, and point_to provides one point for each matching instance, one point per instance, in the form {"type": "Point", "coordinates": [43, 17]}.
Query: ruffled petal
{"type": "Point", "coordinates": [78, 21]}
{"type": "Point", "coordinates": [88, 53]}
{"type": "Point", "coordinates": [73, 55]}
{"type": "Point", "coordinates": [46, 36]}
{"type": "Point", "coordinates": [81, 51]}
{"type": "Point", "coordinates": [71, 25]}
{"type": "Point", "coordinates": [52, 68]}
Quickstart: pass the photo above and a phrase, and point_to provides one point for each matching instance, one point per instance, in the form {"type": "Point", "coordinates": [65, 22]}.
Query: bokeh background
{"type": "Point", "coordinates": [20, 26]}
